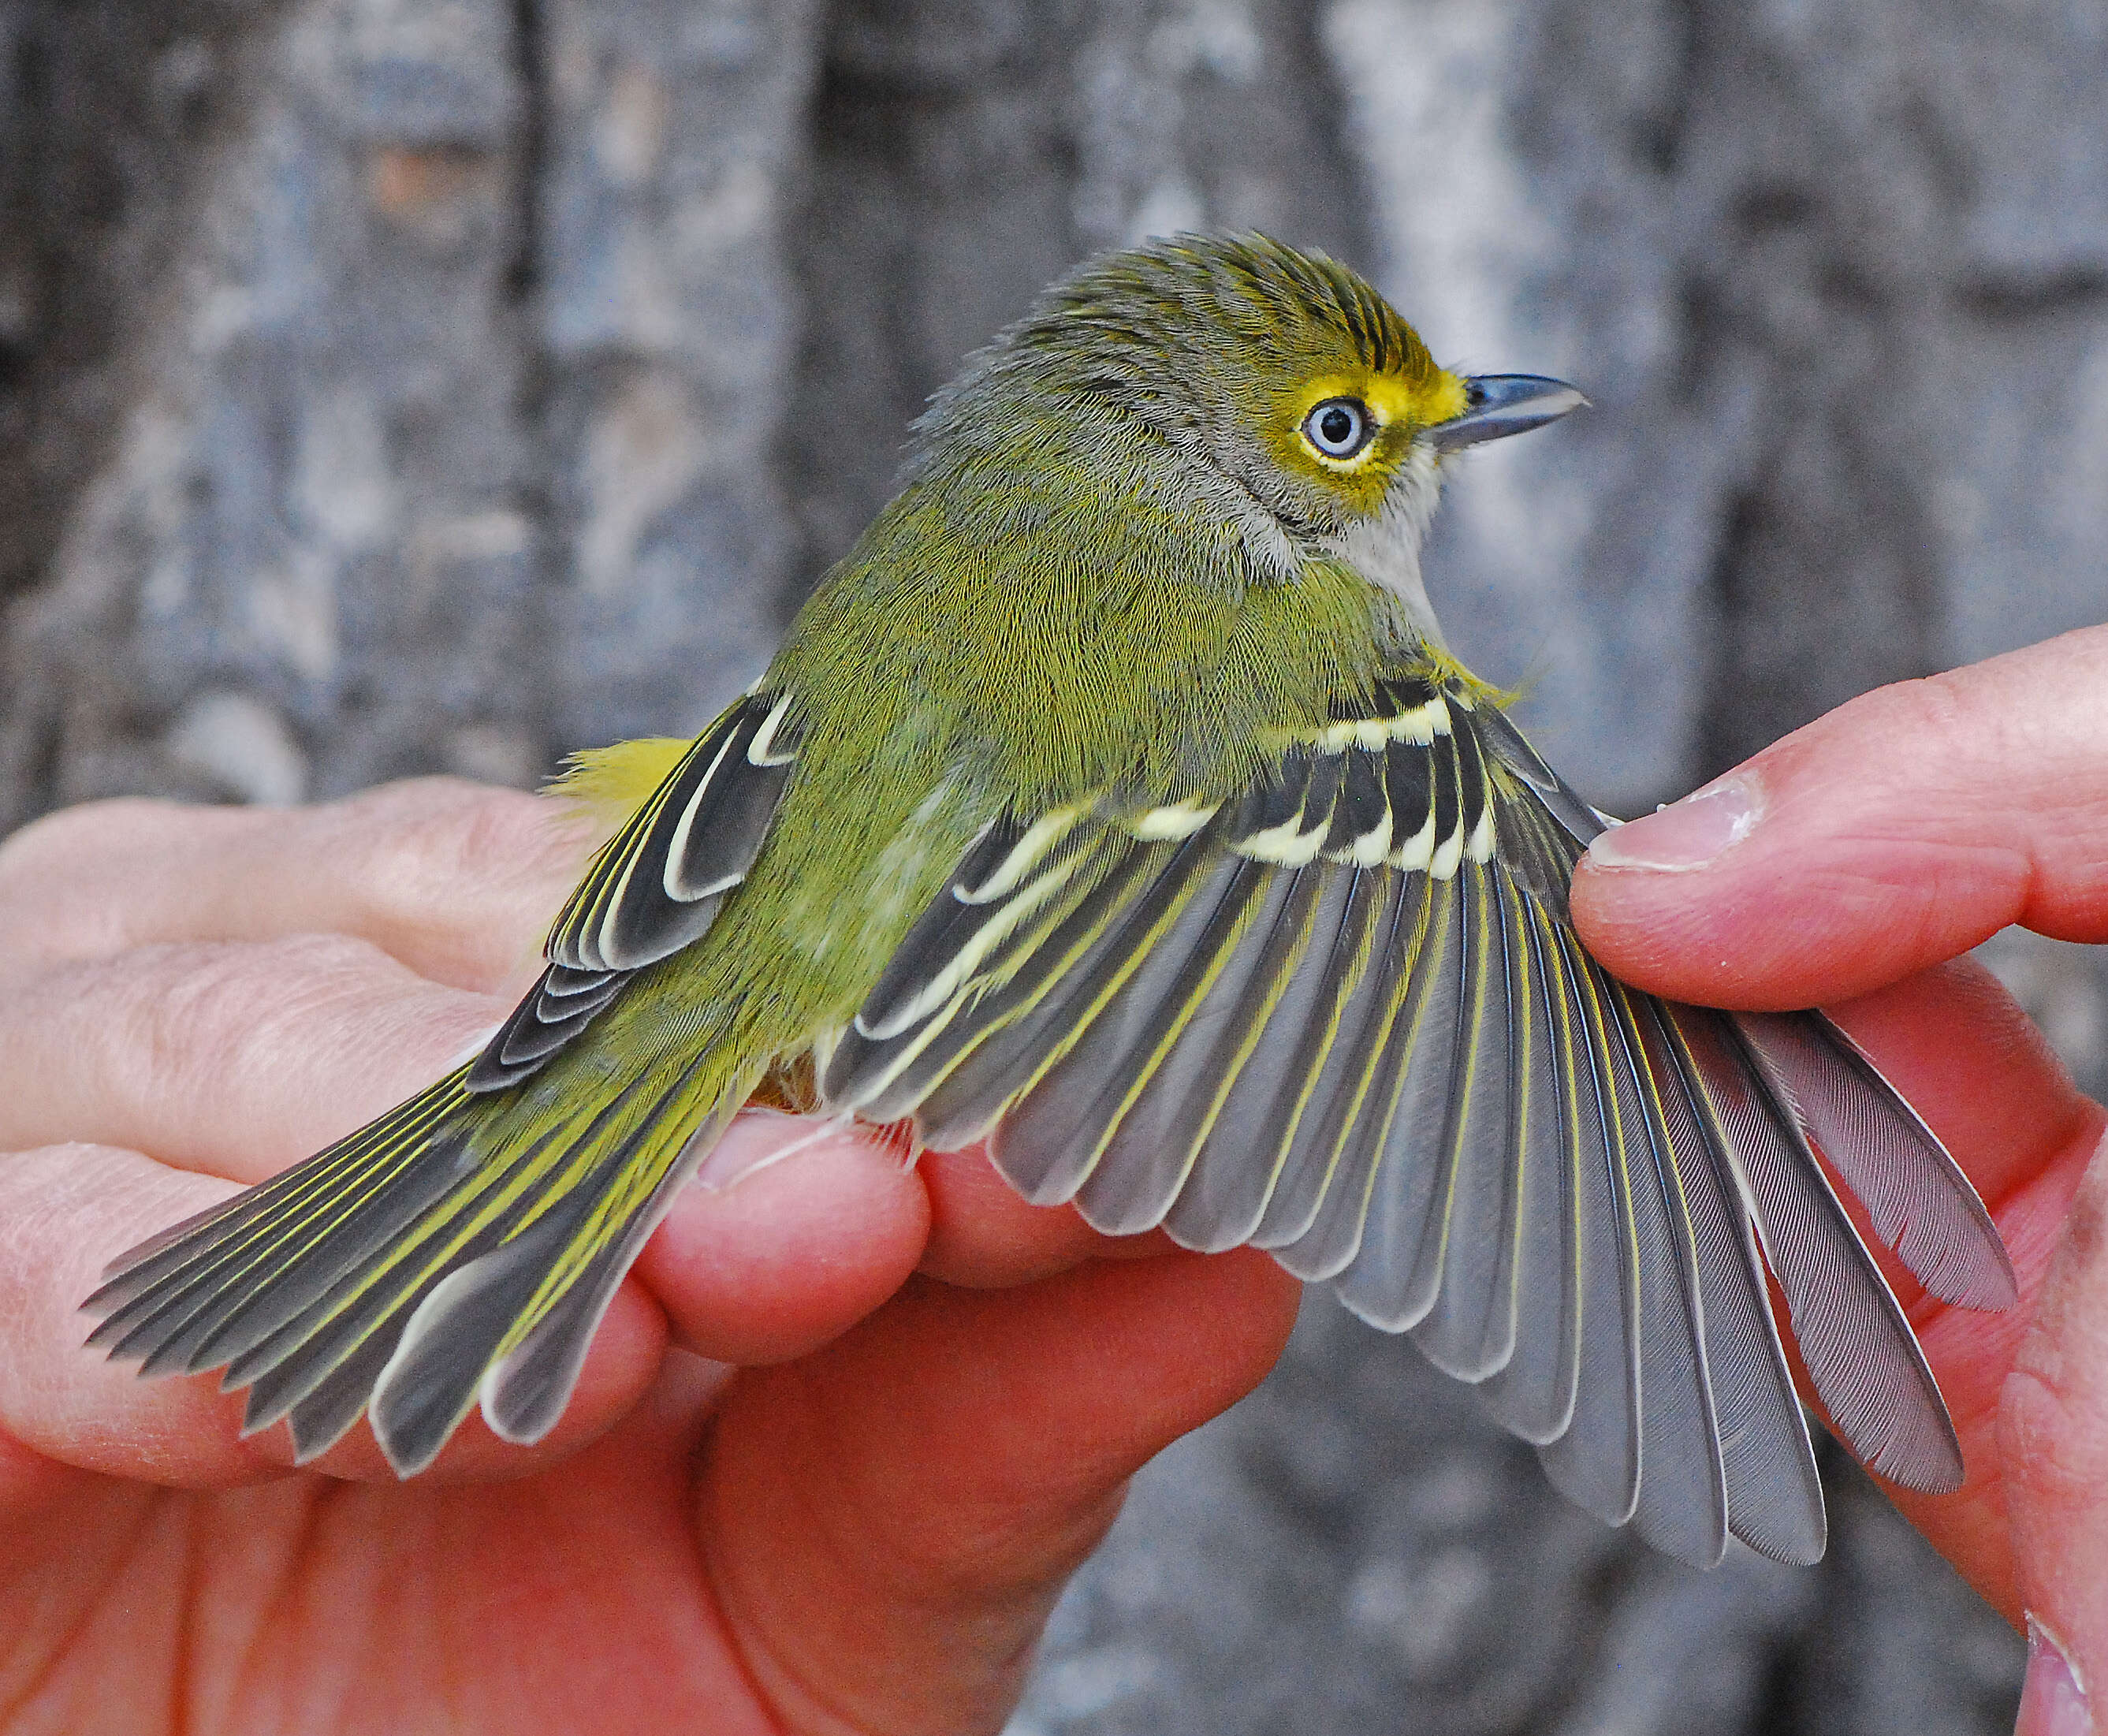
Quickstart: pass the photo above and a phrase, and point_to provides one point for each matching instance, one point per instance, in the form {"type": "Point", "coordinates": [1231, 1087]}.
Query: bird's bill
{"type": "Point", "coordinates": [1502, 404]}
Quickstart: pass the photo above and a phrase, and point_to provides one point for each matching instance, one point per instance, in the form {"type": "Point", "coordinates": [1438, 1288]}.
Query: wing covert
{"type": "Point", "coordinates": [656, 886]}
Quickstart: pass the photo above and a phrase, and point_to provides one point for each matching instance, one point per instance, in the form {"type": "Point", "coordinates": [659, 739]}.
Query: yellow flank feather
{"type": "Point", "coordinates": [1444, 670]}
{"type": "Point", "coordinates": [606, 785]}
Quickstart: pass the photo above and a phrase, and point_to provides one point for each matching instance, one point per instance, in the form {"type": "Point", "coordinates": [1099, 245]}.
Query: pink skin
{"type": "Point", "coordinates": [941, 1390]}
{"type": "Point", "coordinates": [1847, 865]}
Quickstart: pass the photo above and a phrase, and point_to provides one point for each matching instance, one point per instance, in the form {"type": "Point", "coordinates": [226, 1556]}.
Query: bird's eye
{"type": "Point", "coordinates": [1339, 427]}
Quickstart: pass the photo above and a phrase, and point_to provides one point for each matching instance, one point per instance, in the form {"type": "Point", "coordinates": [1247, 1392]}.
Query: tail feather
{"type": "Point", "coordinates": [328, 1411]}
{"type": "Point", "coordinates": [210, 1290]}
{"type": "Point", "coordinates": [169, 1263]}
{"type": "Point", "coordinates": [463, 1247]}
{"type": "Point", "coordinates": [536, 1364]}
{"type": "Point", "coordinates": [1774, 1491]}
{"type": "Point", "coordinates": [511, 1327]}
{"type": "Point", "coordinates": [431, 1381]}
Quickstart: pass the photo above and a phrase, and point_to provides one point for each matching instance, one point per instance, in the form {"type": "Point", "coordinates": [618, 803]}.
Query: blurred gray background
{"type": "Point", "coordinates": [357, 355]}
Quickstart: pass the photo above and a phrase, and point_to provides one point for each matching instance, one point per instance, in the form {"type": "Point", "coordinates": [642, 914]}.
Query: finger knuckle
{"type": "Point", "coordinates": [55, 849]}
{"type": "Point", "coordinates": [432, 834]}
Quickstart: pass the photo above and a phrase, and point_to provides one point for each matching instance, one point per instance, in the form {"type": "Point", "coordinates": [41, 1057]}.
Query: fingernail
{"type": "Point", "coordinates": [2053, 1702]}
{"type": "Point", "coordinates": [1685, 835]}
{"type": "Point", "coordinates": [756, 1139]}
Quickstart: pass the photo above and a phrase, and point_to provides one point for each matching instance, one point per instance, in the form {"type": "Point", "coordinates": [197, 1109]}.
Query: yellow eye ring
{"type": "Point", "coordinates": [1339, 430]}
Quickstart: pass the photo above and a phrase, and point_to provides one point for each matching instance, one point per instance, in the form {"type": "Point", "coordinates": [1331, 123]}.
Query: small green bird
{"type": "Point", "coordinates": [1117, 801]}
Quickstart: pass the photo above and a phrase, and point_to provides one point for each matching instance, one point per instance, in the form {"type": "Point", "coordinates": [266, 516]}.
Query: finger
{"type": "Point", "coordinates": [67, 1211]}
{"type": "Point", "coordinates": [1970, 1355]}
{"type": "Point", "coordinates": [233, 1058]}
{"type": "Point", "coordinates": [1900, 830]}
{"type": "Point", "coordinates": [984, 1234]}
{"type": "Point", "coordinates": [812, 1227]}
{"type": "Point", "coordinates": [63, 1212]}
{"type": "Point", "coordinates": [456, 880]}
{"type": "Point", "coordinates": [2054, 1425]}
{"type": "Point", "coordinates": [1955, 1043]}
{"type": "Point", "coordinates": [889, 1522]}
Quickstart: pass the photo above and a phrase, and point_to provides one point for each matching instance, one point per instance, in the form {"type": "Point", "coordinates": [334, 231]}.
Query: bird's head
{"type": "Point", "coordinates": [1279, 390]}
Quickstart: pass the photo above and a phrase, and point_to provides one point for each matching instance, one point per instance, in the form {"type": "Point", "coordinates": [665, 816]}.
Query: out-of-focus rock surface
{"type": "Point", "coordinates": [389, 386]}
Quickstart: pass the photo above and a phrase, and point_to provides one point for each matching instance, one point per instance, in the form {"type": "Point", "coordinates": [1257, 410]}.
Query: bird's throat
{"type": "Point", "coordinates": [1384, 547]}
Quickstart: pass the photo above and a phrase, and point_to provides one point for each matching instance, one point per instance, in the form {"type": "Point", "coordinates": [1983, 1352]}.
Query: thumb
{"type": "Point", "coordinates": [1898, 830]}
{"type": "Point", "coordinates": [2053, 1430]}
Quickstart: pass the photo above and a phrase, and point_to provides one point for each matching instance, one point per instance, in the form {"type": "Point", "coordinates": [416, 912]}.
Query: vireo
{"type": "Point", "coordinates": [1117, 801]}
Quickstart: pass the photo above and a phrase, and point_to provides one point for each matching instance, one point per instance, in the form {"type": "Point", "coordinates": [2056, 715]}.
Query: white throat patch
{"type": "Point", "coordinates": [1384, 549]}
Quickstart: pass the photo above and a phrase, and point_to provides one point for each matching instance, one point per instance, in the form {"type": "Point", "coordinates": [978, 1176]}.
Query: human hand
{"type": "Point", "coordinates": [1848, 866]}
{"type": "Point", "coordinates": [862, 1529]}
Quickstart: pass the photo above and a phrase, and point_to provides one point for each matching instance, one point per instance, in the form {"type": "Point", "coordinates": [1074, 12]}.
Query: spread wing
{"type": "Point", "coordinates": [1344, 1017]}
{"type": "Point", "coordinates": [656, 886]}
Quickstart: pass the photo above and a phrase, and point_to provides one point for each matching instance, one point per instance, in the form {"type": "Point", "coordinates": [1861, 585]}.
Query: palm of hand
{"type": "Point", "coordinates": [789, 1558]}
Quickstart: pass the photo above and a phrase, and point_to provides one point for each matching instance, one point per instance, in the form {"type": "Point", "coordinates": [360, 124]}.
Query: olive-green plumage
{"type": "Point", "coordinates": [1116, 797]}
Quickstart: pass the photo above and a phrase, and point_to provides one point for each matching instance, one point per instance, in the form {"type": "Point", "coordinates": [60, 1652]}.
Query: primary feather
{"type": "Point", "coordinates": [1117, 801]}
